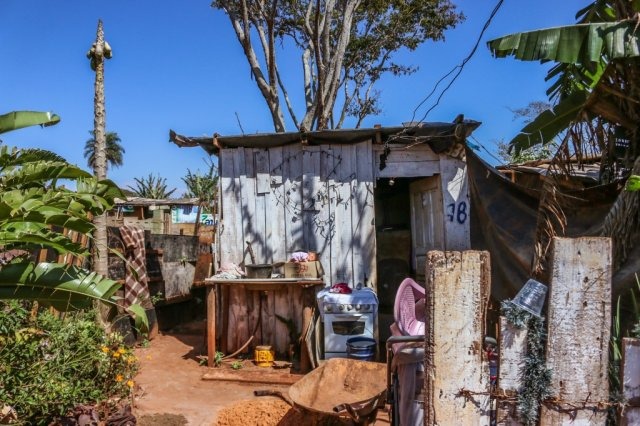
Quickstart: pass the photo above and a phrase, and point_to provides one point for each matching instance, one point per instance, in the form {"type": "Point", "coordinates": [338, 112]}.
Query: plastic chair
{"type": "Point", "coordinates": [405, 355]}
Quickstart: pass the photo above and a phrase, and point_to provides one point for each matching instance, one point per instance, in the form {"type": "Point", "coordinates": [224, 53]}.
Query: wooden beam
{"type": "Point", "coordinates": [513, 349]}
{"type": "Point", "coordinates": [630, 380]}
{"type": "Point", "coordinates": [211, 325]}
{"type": "Point", "coordinates": [456, 377]}
{"type": "Point", "coordinates": [579, 331]}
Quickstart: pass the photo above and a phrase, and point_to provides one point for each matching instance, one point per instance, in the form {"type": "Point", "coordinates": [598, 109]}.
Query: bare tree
{"type": "Point", "coordinates": [344, 45]}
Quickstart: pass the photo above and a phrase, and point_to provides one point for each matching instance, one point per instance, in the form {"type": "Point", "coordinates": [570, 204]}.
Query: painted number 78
{"type": "Point", "coordinates": [457, 212]}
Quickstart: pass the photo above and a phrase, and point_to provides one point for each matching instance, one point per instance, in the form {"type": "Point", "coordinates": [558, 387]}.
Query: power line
{"type": "Point", "coordinates": [458, 67]}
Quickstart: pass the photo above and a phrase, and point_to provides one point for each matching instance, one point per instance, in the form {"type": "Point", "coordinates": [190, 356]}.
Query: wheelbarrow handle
{"type": "Point", "coordinates": [362, 411]}
{"type": "Point", "coordinates": [272, 392]}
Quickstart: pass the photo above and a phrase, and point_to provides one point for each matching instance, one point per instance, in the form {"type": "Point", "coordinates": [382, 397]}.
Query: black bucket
{"type": "Point", "coordinates": [361, 348]}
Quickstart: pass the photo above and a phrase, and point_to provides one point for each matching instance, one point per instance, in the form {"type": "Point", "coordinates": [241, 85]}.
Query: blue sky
{"type": "Point", "coordinates": [177, 65]}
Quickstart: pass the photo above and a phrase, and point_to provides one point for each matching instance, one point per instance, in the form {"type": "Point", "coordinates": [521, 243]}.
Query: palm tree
{"type": "Point", "coordinates": [100, 50]}
{"type": "Point", "coordinates": [204, 187]}
{"type": "Point", "coordinates": [114, 151]}
{"type": "Point", "coordinates": [151, 187]}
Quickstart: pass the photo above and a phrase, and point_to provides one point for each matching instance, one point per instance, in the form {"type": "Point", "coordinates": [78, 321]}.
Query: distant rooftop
{"type": "Point", "coordinates": [139, 201]}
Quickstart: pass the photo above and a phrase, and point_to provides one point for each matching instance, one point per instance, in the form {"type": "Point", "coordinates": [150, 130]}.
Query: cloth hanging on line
{"type": "Point", "coordinates": [136, 289]}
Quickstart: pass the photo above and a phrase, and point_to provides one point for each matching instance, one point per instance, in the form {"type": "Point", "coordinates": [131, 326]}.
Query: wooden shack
{"type": "Point", "coordinates": [370, 202]}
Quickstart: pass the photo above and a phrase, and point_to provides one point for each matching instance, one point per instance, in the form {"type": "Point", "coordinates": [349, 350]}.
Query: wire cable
{"type": "Point", "coordinates": [458, 67]}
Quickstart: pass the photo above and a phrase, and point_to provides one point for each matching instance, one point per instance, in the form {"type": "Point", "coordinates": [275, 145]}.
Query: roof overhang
{"type": "Point", "coordinates": [440, 136]}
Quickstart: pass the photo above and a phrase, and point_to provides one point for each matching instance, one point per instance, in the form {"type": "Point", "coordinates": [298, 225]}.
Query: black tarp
{"type": "Point", "coordinates": [504, 218]}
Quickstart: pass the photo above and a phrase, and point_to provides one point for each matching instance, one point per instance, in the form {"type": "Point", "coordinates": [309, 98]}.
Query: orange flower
{"type": "Point", "coordinates": [130, 383]}
{"type": "Point", "coordinates": [116, 354]}
{"type": "Point", "coordinates": [122, 350]}
{"type": "Point", "coordinates": [104, 349]}
{"type": "Point", "coordinates": [119, 378]}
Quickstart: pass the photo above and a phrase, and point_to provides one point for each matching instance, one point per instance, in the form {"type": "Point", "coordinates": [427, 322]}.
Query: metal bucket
{"type": "Point", "coordinates": [361, 348]}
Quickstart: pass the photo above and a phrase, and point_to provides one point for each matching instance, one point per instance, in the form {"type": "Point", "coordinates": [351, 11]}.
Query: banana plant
{"type": "Point", "coordinates": [18, 119]}
{"type": "Point", "coordinates": [35, 202]}
{"type": "Point", "coordinates": [592, 57]}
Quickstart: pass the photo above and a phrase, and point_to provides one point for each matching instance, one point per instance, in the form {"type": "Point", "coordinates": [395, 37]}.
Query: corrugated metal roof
{"type": "Point", "coordinates": [139, 201]}
{"type": "Point", "coordinates": [440, 136]}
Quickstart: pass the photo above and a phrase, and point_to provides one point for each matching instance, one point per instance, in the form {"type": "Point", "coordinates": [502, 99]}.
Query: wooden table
{"type": "Point", "coordinates": [257, 284]}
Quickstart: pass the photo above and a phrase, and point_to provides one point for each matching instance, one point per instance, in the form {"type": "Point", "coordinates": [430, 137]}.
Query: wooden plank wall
{"type": "Point", "coordinates": [288, 199]}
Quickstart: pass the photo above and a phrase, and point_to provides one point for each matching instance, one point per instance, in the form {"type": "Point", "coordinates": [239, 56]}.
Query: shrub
{"type": "Point", "coordinates": [49, 364]}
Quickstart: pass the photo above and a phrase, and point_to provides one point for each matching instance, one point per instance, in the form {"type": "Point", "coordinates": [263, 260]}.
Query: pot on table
{"type": "Point", "coordinates": [260, 270]}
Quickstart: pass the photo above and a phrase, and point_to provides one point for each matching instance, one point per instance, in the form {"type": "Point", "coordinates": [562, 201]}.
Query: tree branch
{"type": "Point", "coordinates": [287, 100]}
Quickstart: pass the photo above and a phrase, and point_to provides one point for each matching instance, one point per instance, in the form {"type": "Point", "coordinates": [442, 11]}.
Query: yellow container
{"type": "Point", "coordinates": [264, 356]}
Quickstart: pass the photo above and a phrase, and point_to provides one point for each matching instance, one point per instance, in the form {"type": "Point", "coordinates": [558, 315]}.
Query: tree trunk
{"type": "Point", "coordinates": [196, 228]}
{"type": "Point", "coordinates": [100, 252]}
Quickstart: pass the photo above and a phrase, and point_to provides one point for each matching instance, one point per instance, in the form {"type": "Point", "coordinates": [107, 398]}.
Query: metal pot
{"type": "Point", "coordinates": [261, 270]}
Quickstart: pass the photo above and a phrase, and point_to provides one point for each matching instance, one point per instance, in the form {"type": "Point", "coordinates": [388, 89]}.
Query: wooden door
{"type": "Point", "coordinates": [427, 221]}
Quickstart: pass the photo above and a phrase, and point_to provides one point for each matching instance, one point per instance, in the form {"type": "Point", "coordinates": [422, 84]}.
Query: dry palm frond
{"type": "Point", "coordinates": [622, 222]}
{"type": "Point", "coordinates": [551, 218]}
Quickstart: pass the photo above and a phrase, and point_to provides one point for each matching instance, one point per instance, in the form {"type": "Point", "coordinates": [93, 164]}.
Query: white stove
{"type": "Point", "coordinates": [346, 316]}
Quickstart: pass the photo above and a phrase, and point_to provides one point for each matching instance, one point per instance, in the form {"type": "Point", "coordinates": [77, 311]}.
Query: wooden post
{"type": "Point", "coordinates": [211, 325]}
{"type": "Point", "coordinates": [630, 380]}
{"type": "Point", "coordinates": [513, 349]}
{"type": "Point", "coordinates": [307, 316]}
{"type": "Point", "coordinates": [578, 330]}
{"type": "Point", "coordinates": [456, 376]}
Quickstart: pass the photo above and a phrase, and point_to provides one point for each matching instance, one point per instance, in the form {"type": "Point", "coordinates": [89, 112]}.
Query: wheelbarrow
{"type": "Point", "coordinates": [340, 387]}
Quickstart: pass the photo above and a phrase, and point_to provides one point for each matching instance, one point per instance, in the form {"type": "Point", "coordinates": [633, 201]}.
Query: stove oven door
{"type": "Point", "coordinates": [338, 328]}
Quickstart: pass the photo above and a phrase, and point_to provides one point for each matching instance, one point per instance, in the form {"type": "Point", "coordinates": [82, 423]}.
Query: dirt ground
{"type": "Point", "coordinates": [170, 390]}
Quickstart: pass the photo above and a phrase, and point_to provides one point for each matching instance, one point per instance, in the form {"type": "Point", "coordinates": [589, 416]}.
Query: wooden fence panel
{"type": "Point", "coordinates": [578, 331]}
{"type": "Point", "coordinates": [456, 376]}
{"type": "Point", "coordinates": [513, 349]}
{"type": "Point", "coordinates": [630, 379]}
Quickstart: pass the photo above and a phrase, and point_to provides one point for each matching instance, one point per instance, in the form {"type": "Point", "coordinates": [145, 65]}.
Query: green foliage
{"type": "Point", "coordinates": [49, 365]}
{"type": "Point", "coordinates": [347, 47]}
{"type": "Point", "coordinates": [152, 187]}
{"type": "Point", "coordinates": [203, 186]}
{"type": "Point", "coordinates": [31, 200]}
{"type": "Point", "coordinates": [31, 203]}
{"type": "Point", "coordinates": [236, 365]}
{"type": "Point", "coordinates": [605, 34]}
{"type": "Point", "coordinates": [19, 119]}
{"type": "Point", "coordinates": [533, 153]}
{"type": "Point", "coordinates": [114, 150]}
{"type": "Point", "coordinates": [618, 332]}
{"type": "Point", "coordinates": [633, 183]}
{"type": "Point", "coordinates": [536, 377]}
{"type": "Point", "coordinates": [537, 152]}
{"type": "Point", "coordinates": [217, 359]}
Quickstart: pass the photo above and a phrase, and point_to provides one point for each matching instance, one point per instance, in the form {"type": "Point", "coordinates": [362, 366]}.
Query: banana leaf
{"type": "Point", "coordinates": [549, 123]}
{"type": "Point", "coordinates": [578, 44]}
{"type": "Point", "coordinates": [64, 287]}
{"type": "Point", "coordinates": [19, 119]}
